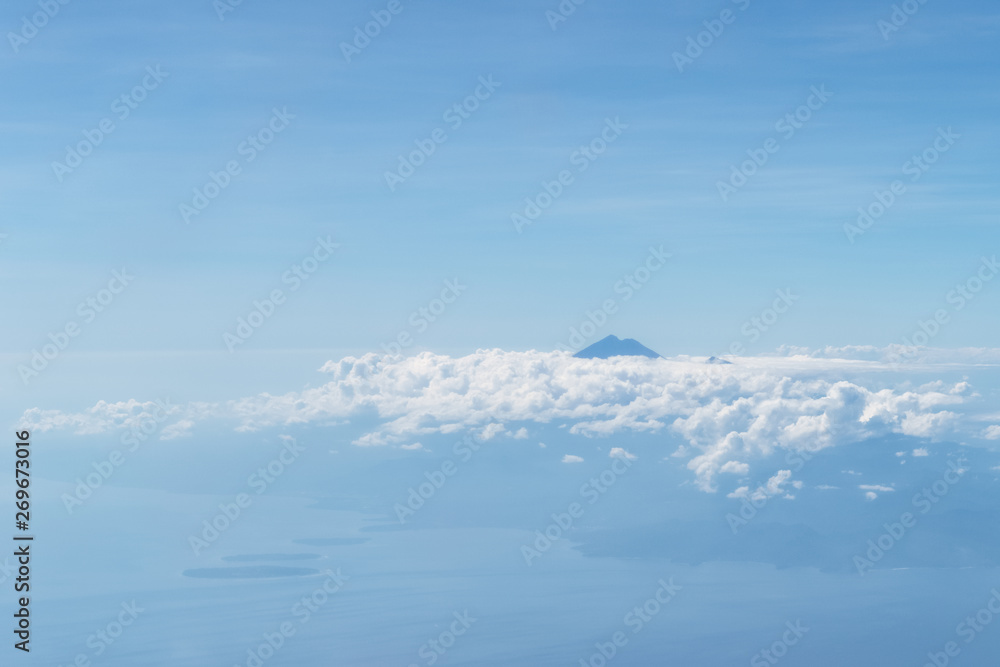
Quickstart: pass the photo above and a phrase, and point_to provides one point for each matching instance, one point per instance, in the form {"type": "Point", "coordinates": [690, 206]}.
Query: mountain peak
{"type": "Point", "coordinates": [716, 360]}
{"type": "Point", "coordinates": [613, 346]}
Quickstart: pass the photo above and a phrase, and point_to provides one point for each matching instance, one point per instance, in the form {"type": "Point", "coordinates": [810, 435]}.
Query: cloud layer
{"type": "Point", "coordinates": [727, 414]}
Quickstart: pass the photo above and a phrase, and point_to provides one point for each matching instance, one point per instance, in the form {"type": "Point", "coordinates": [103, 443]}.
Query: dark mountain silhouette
{"type": "Point", "coordinates": [612, 346]}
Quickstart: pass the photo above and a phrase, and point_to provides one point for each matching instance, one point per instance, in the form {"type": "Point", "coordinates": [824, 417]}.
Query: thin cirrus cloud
{"type": "Point", "coordinates": [727, 414]}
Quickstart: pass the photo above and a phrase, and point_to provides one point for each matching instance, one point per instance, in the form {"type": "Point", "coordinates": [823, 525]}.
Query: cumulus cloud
{"type": "Point", "coordinates": [726, 414]}
{"type": "Point", "coordinates": [572, 458]}
{"type": "Point", "coordinates": [735, 467]}
{"type": "Point", "coordinates": [773, 487]}
{"type": "Point", "coordinates": [104, 417]}
{"type": "Point", "coordinates": [876, 487]}
{"type": "Point", "coordinates": [871, 495]}
{"type": "Point", "coordinates": [992, 432]}
{"type": "Point", "coordinates": [618, 452]}
{"type": "Point", "coordinates": [921, 451]}
{"type": "Point", "coordinates": [491, 431]}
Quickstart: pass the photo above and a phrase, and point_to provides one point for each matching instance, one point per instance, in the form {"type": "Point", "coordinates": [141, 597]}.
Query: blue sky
{"type": "Point", "coordinates": [655, 185]}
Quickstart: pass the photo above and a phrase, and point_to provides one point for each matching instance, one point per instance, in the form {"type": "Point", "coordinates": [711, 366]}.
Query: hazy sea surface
{"type": "Point", "coordinates": [402, 589]}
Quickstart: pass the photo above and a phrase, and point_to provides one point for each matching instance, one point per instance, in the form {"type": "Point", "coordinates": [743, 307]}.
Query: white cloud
{"type": "Point", "coordinates": [992, 432]}
{"type": "Point", "coordinates": [735, 467]}
{"type": "Point", "coordinates": [414, 447]}
{"type": "Point", "coordinates": [826, 487]}
{"type": "Point", "coordinates": [179, 429]}
{"type": "Point", "coordinates": [773, 487]}
{"type": "Point", "coordinates": [726, 414]}
{"type": "Point", "coordinates": [572, 458]}
{"type": "Point", "coordinates": [927, 425]}
{"type": "Point", "coordinates": [921, 451]}
{"type": "Point", "coordinates": [876, 487]}
{"type": "Point", "coordinates": [105, 417]}
{"type": "Point", "coordinates": [871, 495]}
{"type": "Point", "coordinates": [618, 452]}
{"type": "Point", "coordinates": [904, 355]}
{"type": "Point", "coordinates": [520, 434]}
{"type": "Point", "coordinates": [491, 431]}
